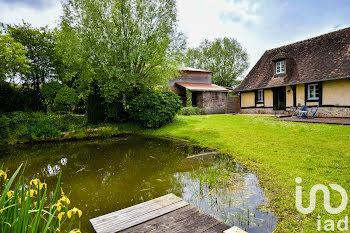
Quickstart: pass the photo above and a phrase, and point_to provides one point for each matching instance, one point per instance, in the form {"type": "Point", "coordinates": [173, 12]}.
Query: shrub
{"type": "Point", "coordinates": [24, 206]}
{"type": "Point", "coordinates": [17, 98]}
{"type": "Point", "coordinates": [187, 111]}
{"type": "Point", "coordinates": [66, 100]}
{"type": "Point", "coordinates": [153, 109]}
{"type": "Point", "coordinates": [49, 91]}
{"type": "Point", "coordinates": [43, 129]}
{"type": "Point", "coordinates": [4, 128]}
{"type": "Point", "coordinates": [68, 122]}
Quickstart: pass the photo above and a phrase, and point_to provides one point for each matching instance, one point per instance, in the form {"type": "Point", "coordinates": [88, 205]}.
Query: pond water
{"type": "Point", "coordinates": [103, 176]}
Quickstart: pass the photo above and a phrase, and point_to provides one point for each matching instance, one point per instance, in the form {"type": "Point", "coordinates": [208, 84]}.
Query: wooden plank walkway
{"type": "Point", "coordinates": [168, 213]}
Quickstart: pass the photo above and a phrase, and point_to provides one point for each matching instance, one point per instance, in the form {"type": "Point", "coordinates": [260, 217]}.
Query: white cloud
{"type": "Point", "coordinates": [38, 17]}
{"type": "Point", "coordinates": [207, 19]}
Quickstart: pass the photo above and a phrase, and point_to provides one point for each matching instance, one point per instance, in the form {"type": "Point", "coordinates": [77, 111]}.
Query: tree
{"type": "Point", "coordinates": [73, 67]}
{"type": "Point", "coordinates": [49, 91]}
{"type": "Point", "coordinates": [224, 57]}
{"type": "Point", "coordinates": [66, 100]}
{"type": "Point", "coordinates": [129, 43]}
{"type": "Point", "coordinates": [39, 46]}
{"type": "Point", "coordinates": [13, 60]}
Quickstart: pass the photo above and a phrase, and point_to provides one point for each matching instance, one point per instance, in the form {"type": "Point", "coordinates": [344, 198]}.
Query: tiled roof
{"type": "Point", "coordinates": [202, 87]}
{"type": "Point", "coordinates": [326, 57]}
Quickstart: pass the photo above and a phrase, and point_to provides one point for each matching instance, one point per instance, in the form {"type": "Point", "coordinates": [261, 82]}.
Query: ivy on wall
{"type": "Point", "coordinates": [189, 98]}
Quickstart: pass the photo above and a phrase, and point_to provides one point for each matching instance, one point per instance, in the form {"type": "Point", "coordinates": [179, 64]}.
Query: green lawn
{"type": "Point", "coordinates": [278, 152]}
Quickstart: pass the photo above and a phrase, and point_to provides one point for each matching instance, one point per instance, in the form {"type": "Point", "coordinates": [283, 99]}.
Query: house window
{"type": "Point", "coordinates": [260, 96]}
{"type": "Point", "coordinates": [313, 91]}
{"type": "Point", "coordinates": [280, 67]}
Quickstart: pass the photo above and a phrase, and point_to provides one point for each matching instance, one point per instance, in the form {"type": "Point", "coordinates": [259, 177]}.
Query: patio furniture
{"type": "Point", "coordinates": [303, 112]}
{"type": "Point", "coordinates": [294, 111]}
{"type": "Point", "coordinates": [313, 111]}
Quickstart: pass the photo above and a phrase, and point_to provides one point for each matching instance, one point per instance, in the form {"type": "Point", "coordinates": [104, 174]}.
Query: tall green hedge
{"type": "Point", "coordinates": [96, 109]}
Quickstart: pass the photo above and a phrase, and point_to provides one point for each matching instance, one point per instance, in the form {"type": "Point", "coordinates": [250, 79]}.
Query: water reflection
{"type": "Point", "coordinates": [108, 175]}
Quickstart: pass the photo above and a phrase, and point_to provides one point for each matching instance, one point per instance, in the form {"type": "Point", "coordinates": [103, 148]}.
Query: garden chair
{"type": "Point", "coordinates": [313, 111]}
{"type": "Point", "coordinates": [303, 112]}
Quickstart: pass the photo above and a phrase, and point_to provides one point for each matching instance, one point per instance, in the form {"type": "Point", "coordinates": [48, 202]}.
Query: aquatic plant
{"type": "Point", "coordinates": [23, 206]}
{"type": "Point", "coordinates": [223, 184]}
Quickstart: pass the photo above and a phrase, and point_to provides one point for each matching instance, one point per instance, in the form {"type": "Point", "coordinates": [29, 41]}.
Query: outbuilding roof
{"type": "Point", "coordinates": [202, 87]}
{"type": "Point", "coordinates": [326, 57]}
{"type": "Point", "coordinates": [194, 69]}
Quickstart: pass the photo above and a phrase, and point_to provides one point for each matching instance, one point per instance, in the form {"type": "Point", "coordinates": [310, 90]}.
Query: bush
{"type": "Point", "coordinates": [66, 100]}
{"type": "Point", "coordinates": [25, 207]}
{"type": "Point", "coordinates": [35, 125]}
{"type": "Point", "coordinates": [187, 111]}
{"type": "Point", "coordinates": [4, 128]}
{"type": "Point", "coordinates": [43, 129]}
{"type": "Point", "coordinates": [17, 98]}
{"type": "Point", "coordinates": [49, 91]}
{"type": "Point", "coordinates": [68, 122]}
{"type": "Point", "coordinates": [153, 109]}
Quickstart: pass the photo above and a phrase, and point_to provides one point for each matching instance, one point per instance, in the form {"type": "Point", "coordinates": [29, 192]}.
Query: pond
{"type": "Point", "coordinates": [103, 176]}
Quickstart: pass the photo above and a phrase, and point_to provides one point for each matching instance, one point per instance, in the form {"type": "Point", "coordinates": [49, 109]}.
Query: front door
{"type": "Point", "coordinates": [279, 98]}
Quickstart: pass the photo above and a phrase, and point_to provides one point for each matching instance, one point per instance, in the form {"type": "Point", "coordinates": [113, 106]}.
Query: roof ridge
{"type": "Point", "coordinates": [310, 39]}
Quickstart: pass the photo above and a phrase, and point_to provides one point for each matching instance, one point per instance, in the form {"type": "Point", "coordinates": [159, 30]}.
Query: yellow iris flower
{"type": "Point", "coordinates": [58, 205]}
{"type": "Point", "coordinates": [4, 174]}
{"type": "Point", "coordinates": [43, 185]}
{"type": "Point", "coordinates": [60, 216]}
{"type": "Point", "coordinates": [31, 192]}
{"type": "Point", "coordinates": [74, 211]}
{"type": "Point", "coordinates": [10, 193]}
{"type": "Point", "coordinates": [34, 182]}
{"type": "Point", "coordinates": [65, 199]}
{"type": "Point", "coordinates": [37, 182]}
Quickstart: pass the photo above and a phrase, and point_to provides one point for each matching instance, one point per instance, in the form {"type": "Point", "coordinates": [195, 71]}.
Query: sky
{"type": "Point", "coordinates": [258, 25]}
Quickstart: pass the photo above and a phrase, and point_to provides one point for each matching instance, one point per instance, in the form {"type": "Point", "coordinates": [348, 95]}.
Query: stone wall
{"type": "Point", "coordinates": [333, 112]}
{"type": "Point", "coordinates": [322, 111]}
{"type": "Point", "coordinates": [181, 92]}
{"type": "Point", "coordinates": [257, 111]}
{"type": "Point", "coordinates": [212, 102]}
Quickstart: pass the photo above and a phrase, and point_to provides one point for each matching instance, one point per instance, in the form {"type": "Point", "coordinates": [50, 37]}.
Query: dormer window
{"type": "Point", "coordinates": [280, 67]}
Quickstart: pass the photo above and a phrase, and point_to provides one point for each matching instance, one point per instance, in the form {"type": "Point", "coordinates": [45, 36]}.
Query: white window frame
{"type": "Point", "coordinates": [280, 67]}
{"type": "Point", "coordinates": [260, 96]}
{"type": "Point", "coordinates": [314, 87]}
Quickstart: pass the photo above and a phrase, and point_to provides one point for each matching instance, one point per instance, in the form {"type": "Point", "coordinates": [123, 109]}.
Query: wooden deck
{"type": "Point", "coordinates": [168, 213]}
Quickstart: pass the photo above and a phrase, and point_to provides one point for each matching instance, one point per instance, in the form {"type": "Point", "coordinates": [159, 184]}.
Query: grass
{"type": "Point", "coordinates": [278, 152]}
